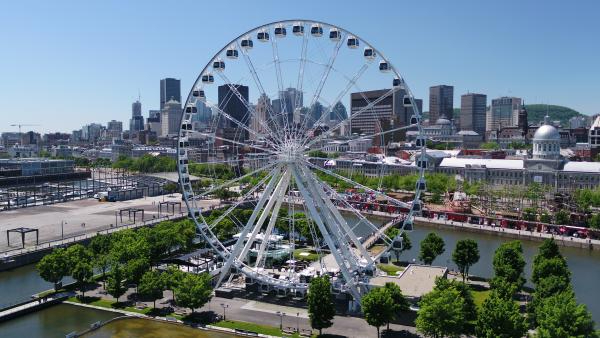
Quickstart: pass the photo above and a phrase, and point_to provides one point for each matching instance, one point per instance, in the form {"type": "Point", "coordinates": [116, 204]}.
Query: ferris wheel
{"type": "Point", "coordinates": [263, 123]}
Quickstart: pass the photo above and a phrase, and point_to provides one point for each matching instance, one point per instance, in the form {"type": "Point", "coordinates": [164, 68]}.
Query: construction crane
{"type": "Point", "coordinates": [23, 125]}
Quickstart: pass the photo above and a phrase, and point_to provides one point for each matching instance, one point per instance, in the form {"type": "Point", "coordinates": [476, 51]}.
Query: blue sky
{"type": "Point", "coordinates": [67, 63]}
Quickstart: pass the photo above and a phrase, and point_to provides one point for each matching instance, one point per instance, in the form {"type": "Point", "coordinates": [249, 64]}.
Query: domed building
{"type": "Point", "coordinates": [546, 143]}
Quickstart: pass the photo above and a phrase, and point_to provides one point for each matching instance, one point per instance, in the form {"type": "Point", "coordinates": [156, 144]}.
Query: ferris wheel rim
{"type": "Point", "coordinates": [206, 70]}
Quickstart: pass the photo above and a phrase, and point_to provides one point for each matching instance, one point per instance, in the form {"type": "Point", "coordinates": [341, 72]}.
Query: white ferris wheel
{"type": "Point", "coordinates": [257, 119]}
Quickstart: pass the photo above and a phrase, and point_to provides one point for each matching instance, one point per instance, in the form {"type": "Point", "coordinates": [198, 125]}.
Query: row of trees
{"type": "Point", "coordinates": [128, 254]}
{"type": "Point", "coordinates": [146, 164]}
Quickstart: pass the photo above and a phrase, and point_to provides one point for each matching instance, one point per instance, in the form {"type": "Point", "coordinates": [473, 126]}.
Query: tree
{"type": "Point", "coordinates": [378, 307]}
{"type": "Point", "coordinates": [171, 279]}
{"type": "Point", "coordinates": [469, 307]}
{"type": "Point", "coordinates": [321, 308]}
{"type": "Point", "coordinates": [400, 302]}
{"type": "Point", "coordinates": [465, 255]}
{"type": "Point", "coordinates": [431, 247]}
{"type": "Point", "coordinates": [151, 286]}
{"type": "Point", "coordinates": [77, 254]}
{"type": "Point", "coordinates": [82, 273]}
{"type": "Point", "coordinates": [562, 217]}
{"type": "Point", "coordinates": [135, 269]}
{"type": "Point", "coordinates": [548, 249]}
{"type": "Point", "coordinates": [560, 316]}
{"type": "Point", "coordinates": [500, 318]}
{"type": "Point", "coordinates": [594, 221]}
{"type": "Point", "coordinates": [509, 263]}
{"type": "Point", "coordinates": [53, 267]}
{"type": "Point", "coordinates": [556, 266]}
{"type": "Point", "coordinates": [441, 314]}
{"type": "Point", "coordinates": [194, 290]}
{"type": "Point", "coordinates": [116, 286]}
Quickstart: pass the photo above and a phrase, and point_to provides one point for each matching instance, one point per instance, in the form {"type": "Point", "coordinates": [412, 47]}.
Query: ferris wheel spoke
{"type": "Point", "coordinates": [282, 96]}
{"type": "Point", "coordinates": [353, 115]}
{"type": "Point", "coordinates": [339, 97]}
{"type": "Point", "coordinates": [213, 136]}
{"type": "Point", "coordinates": [366, 137]}
{"type": "Point", "coordinates": [270, 226]}
{"type": "Point", "coordinates": [347, 180]}
{"type": "Point", "coordinates": [243, 199]}
{"type": "Point", "coordinates": [230, 182]}
{"type": "Point", "coordinates": [251, 112]}
{"type": "Point", "coordinates": [261, 89]}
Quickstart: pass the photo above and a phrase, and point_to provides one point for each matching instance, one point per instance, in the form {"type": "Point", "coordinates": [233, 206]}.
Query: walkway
{"type": "Point", "coordinates": [31, 305]}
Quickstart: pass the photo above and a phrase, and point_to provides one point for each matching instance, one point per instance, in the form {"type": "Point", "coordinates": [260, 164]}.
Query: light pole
{"type": "Point", "coordinates": [62, 229]}
{"type": "Point", "coordinates": [298, 322]}
{"type": "Point", "coordinates": [224, 307]}
{"type": "Point", "coordinates": [281, 315]}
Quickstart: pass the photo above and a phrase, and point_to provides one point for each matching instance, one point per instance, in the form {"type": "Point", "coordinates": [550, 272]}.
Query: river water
{"type": "Point", "coordinates": [143, 328]}
{"type": "Point", "coordinates": [19, 284]}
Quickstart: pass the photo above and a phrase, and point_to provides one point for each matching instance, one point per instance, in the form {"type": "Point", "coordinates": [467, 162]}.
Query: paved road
{"type": "Point", "coordinates": [77, 218]}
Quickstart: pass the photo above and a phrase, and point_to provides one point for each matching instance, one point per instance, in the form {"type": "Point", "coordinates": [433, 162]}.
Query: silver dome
{"type": "Point", "coordinates": [546, 133]}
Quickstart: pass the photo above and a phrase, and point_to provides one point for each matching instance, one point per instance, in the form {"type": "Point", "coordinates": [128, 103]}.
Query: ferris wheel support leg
{"type": "Point", "coordinates": [238, 244]}
{"type": "Point", "coordinates": [270, 226]}
{"type": "Point", "coordinates": [310, 203]}
{"type": "Point", "coordinates": [332, 222]}
{"type": "Point", "coordinates": [342, 222]}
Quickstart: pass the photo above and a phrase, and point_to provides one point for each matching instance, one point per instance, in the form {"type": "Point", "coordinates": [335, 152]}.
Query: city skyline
{"type": "Point", "coordinates": [112, 64]}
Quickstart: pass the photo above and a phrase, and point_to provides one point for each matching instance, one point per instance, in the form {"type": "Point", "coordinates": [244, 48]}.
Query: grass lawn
{"type": "Point", "coordinates": [312, 255]}
{"type": "Point", "coordinates": [480, 296]}
{"type": "Point", "coordinates": [263, 329]}
{"type": "Point", "coordinates": [390, 269]}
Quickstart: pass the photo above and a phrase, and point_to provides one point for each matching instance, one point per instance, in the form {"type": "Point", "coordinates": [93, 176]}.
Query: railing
{"type": "Point", "coordinates": [77, 238]}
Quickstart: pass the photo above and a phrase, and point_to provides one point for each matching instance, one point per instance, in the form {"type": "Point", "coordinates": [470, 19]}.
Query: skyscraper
{"type": "Point", "coordinates": [114, 129]}
{"type": "Point", "coordinates": [259, 120]}
{"type": "Point", "coordinates": [170, 118]}
{"type": "Point", "coordinates": [169, 89]}
{"type": "Point", "coordinates": [504, 112]}
{"type": "Point", "coordinates": [235, 107]}
{"type": "Point", "coordinates": [137, 121]}
{"type": "Point", "coordinates": [473, 112]}
{"type": "Point", "coordinates": [366, 122]}
{"type": "Point", "coordinates": [441, 102]}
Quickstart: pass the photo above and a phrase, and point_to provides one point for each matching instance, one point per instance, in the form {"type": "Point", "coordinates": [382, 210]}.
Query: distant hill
{"type": "Point", "coordinates": [536, 113]}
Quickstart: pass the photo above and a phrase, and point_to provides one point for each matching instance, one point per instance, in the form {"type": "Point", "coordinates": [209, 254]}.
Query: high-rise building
{"type": "Point", "coordinates": [170, 118]}
{"type": "Point", "coordinates": [441, 102]}
{"type": "Point", "coordinates": [169, 89]}
{"type": "Point", "coordinates": [114, 129]}
{"type": "Point", "coordinates": [259, 120]}
{"type": "Point", "coordinates": [504, 112]}
{"type": "Point", "coordinates": [137, 121]}
{"type": "Point", "coordinates": [473, 112]}
{"type": "Point", "coordinates": [366, 121]}
{"type": "Point", "coordinates": [232, 105]}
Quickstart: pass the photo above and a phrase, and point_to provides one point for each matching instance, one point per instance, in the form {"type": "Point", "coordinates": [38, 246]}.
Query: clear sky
{"type": "Point", "coordinates": [67, 63]}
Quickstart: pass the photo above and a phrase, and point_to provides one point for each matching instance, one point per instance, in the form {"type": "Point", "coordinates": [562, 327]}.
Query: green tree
{"type": "Point", "coordinates": [194, 290]}
{"type": "Point", "coordinates": [53, 267]}
{"type": "Point", "coordinates": [321, 308]}
{"type": "Point", "coordinates": [441, 314]}
{"type": "Point", "coordinates": [82, 273]}
{"type": "Point", "coordinates": [594, 221]}
{"type": "Point", "coordinates": [465, 255]}
{"type": "Point", "coordinates": [556, 266]}
{"type": "Point", "coordinates": [151, 286]}
{"type": "Point", "coordinates": [509, 263]}
{"type": "Point", "coordinates": [562, 217]}
{"type": "Point", "coordinates": [172, 278]}
{"type": "Point", "coordinates": [469, 307]}
{"type": "Point", "coordinates": [378, 307]}
{"type": "Point", "coordinates": [545, 218]}
{"type": "Point", "coordinates": [529, 214]}
{"type": "Point", "coordinates": [135, 269]}
{"type": "Point", "coordinates": [431, 247]}
{"type": "Point", "coordinates": [77, 254]}
{"type": "Point", "coordinates": [500, 318]}
{"type": "Point", "coordinates": [400, 302]}
{"type": "Point", "coordinates": [116, 284]}
{"type": "Point", "coordinates": [560, 316]}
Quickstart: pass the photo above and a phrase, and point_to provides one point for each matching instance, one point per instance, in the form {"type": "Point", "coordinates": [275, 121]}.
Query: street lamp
{"type": "Point", "coordinates": [298, 322]}
{"type": "Point", "coordinates": [281, 315]}
{"type": "Point", "coordinates": [224, 307]}
{"type": "Point", "coordinates": [62, 229]}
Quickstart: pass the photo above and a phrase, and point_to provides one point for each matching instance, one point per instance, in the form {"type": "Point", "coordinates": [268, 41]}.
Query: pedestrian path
{"type": "Point", "coordinates": [15, 310]}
